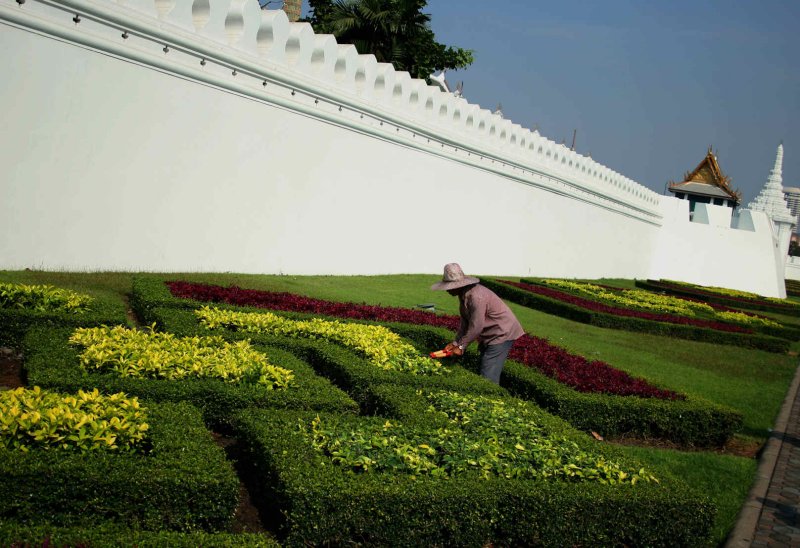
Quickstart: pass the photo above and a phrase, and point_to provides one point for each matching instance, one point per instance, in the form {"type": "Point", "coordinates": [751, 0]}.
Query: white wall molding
{"type": "Point", "coordinates": [167, 44]}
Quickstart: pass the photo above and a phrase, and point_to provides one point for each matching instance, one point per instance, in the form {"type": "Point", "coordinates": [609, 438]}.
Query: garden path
{"type": "Point", "coordinates": [770, 516]}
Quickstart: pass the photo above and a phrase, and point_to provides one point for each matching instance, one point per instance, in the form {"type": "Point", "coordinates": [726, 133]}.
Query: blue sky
{"type": "Point", "coordinates": [649, 86]}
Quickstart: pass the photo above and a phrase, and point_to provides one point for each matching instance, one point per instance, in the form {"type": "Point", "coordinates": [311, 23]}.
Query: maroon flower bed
{"type": "Point", "coordinates": [555, 362]}
{"type": "Point", "coordinates": [617, 311]}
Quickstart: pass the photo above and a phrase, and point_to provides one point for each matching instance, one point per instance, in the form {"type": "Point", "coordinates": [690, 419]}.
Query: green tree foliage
{"type": "Point", "coordinates": [395, 31]}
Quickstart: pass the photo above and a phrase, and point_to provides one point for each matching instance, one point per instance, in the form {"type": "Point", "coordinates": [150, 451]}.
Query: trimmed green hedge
{"type": "Point", "coordinates": [324, 504]}
{"type": "Point", "coordinates": [343, 367]}
{"type": "Point", "coordinates": [600, 319]}
{"type": "Point", "coordinates": [692, 421]}
{"type": "Point", "coordinates": [16, 534]}
{"type": "Point", "coordinates": [14, 322]}
{"type": "Point", "coordinates": [183, 483]}
{"type": "Point", "coordinates": [657, 286]}
{"type": "Point", "coordinates": [51, 362]}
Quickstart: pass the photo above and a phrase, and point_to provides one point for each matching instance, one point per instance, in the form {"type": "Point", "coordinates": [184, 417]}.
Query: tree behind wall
{"type": "Point", "coordinates": [395, 31]}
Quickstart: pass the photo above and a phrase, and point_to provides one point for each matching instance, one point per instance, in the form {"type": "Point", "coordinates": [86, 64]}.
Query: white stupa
{"type": "Point", "coordinates": [771, 201]}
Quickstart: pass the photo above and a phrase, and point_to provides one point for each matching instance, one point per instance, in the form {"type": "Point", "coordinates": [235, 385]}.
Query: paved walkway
{"type": "Point", "coordinates": [770, 516]}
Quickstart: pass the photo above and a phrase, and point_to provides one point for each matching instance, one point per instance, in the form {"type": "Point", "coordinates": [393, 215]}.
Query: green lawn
{"type": "Point", "coordinates": [750, 381]}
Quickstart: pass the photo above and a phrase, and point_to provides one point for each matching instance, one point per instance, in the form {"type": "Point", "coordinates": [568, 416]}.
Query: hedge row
{"type": "Point", "coordinates": [343, 367]}
{"type": "Point", "coordinates": [600, 319]}
{"type": "Point", "coordinates": [15, 535]}
{"type": "Point", "coordinates": [323, 504]}
{"type": "Point", "coordinates": [14, 323]}
{"type": "Point", "coordinates": [691, 421]}
{"type": "Point", "coordinates": [685, 291]}
{"type": "Point", "coordinates": [793, 288]}
{"type": "Point", "coordinates": [183, 483]}
{"type": "Point", "coordinates": [51, 362]}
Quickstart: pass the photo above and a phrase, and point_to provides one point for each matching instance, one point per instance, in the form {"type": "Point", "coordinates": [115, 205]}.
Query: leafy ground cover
{"type": "Point", "coordinates": [751, 381]}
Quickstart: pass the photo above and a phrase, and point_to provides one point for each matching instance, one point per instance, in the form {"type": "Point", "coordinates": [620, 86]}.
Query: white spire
{"type": "Point", "coordinates": [771, 199]}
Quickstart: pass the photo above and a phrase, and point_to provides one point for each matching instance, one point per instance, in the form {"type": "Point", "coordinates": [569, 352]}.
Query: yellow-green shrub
{"type": "Point", "coordinates": [87, 421]}
{"type": "Point", "coordinates": [42, 298]}
{"type": "Point", "coordinates": [384, 348]}
{"type": "Point", "coordinates": [148, 354]}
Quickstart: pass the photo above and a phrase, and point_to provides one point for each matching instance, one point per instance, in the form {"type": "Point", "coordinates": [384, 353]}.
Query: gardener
{"type": "Point", "coordinates": [484, 317]}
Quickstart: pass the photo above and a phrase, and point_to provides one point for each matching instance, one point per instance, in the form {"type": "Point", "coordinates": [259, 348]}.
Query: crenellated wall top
{"type": "Point", "coordinates": [235, 45]}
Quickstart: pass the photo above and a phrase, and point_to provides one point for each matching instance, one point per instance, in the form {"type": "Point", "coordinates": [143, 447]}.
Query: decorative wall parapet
{"type": "Point", "coordinates": [235, 46]}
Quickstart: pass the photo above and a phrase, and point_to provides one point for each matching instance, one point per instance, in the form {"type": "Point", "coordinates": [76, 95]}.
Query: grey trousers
{"type": "Point", "coordinates": [493, 358]}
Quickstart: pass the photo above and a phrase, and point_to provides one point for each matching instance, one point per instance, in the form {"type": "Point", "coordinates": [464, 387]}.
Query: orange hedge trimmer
{"type": "Point", "coordinates": [441, 354]}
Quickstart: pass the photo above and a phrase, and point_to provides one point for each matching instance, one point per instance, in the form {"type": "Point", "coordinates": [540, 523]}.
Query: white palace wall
{"type": "Point", "coordinates": [212, 136]}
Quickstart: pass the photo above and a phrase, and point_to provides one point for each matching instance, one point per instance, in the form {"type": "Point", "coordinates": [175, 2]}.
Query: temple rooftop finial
{"type": "Point", "coordinates": [771, 199]}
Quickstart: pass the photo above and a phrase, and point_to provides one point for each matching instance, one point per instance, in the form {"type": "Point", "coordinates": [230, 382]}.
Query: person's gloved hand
{"type": "Point", "coordinates": [454, 349]}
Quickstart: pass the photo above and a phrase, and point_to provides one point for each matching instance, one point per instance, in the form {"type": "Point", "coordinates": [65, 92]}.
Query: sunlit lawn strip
{"type": "Point", "coordinates": [182, 481]}
{"type": "Point", "coordinates": [532, 351]}
{"type": "Point", "coordinates": [590, 312]}
{"type": "Point", "coordinates": [52, 362]}
{"type": "Point", "coordinates": [688, 290]}
{"type": "Point", "coordinates": [323, 475]}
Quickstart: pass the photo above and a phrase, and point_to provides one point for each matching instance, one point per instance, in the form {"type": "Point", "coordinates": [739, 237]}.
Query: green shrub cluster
{"type": "Point", "coordinates": [600, 319]}
{"type": "Point", "coordinates": [51, 362]}
{"type": "Point", "coordinates": [381, 346]}
{"type": "Point", "coordinates": [15, 321]}
{"type": "Point", "coordinates": [137, 353]}
{"type": "Point", "coordinates": [14, 534]}
{"type": "Point", "coordinates": [42, 298]}
{"type": "Point", "coordinates": [87, 421]}
{"type": "Point", "coordinates": [182, 483]}
{"type": "Point", "coordinates": [692, 421]}
{"type": "Point", "coordinates": [325, 503]}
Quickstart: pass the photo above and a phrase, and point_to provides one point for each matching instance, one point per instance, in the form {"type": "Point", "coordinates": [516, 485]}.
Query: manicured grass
{"type": "Point", "coordinates": [750, 381]}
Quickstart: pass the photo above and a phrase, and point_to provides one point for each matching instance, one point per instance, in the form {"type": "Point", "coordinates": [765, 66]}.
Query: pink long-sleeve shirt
{"type": "Point", "coordinates": [486, 318]}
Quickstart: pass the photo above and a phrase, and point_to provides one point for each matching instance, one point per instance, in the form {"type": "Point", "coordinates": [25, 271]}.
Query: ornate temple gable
{"type": "Point", "coordinates": [707, 179]}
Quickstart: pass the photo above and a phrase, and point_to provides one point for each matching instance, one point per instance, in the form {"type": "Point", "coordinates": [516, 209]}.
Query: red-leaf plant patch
{"type": "Point", "coordinates": [570, 369]}
{"type": "Point", "coordinates": [595, 306]}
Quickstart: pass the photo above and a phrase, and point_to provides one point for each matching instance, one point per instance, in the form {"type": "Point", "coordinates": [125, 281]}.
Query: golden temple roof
{"type": "Point", "coordinates": [707, 179]}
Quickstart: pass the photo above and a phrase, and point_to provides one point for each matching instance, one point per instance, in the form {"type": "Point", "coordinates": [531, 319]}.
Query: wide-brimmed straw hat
{"type": "Point", "coordinates": [454, 278]}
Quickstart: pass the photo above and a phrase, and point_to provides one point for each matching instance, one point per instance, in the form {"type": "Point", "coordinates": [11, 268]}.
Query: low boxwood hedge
{"type": "Point", "coordinates": [51, 362]}
{"type": "Point", "coordinates": [15, 322]}
{"type": "Point", "coordinates": [346, 369]}
{"type": "Point", "coordinates": [600, 319]}
{"type": "Point", "coordinates": [692, 421]}
{"type": "Point", "coordinates": [15, 534]}
{"type": "Point", "coordinates": [182, 483]}
{"type": "Point", "coordinates": [325, 504]}
{"type": "Point", "coordinates": [708, 424]}
{"type": "Point", "coordinates": [681, 291]}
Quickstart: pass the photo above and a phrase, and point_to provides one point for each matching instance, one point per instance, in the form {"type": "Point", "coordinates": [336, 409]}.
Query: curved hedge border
{"type": "Point", "coordinates": [51, 362]}
{"type": "Point", "coordinates": [183, 483]}
{"type": "Point", "coordinates": [735, 302]}
{"type": "Point", "coordinates": [324, 504]}
{"type": "Point", "coordinates": [15, 322]}
{"type": "Point", "coordinates": [570, 369]}
{"type": "Point", "coordinates": [780, 331]}
{"type": "Point", "coordinates": [343, 367]}
{"type": "Point", "coordinates": [691, 421]}
{"type": "Point", "coordinates": [600, 319]}
{"type": "Point", "coordinates": [14, 534]}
